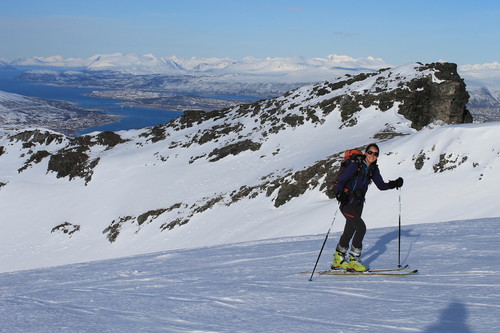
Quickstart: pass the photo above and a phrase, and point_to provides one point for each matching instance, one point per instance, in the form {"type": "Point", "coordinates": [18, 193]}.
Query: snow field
{"type": "Point", "coordinates": [257, 287]}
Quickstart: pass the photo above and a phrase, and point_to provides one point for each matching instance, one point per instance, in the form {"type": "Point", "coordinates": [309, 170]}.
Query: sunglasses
{"type": "Point", "coordinates": [369, 152]}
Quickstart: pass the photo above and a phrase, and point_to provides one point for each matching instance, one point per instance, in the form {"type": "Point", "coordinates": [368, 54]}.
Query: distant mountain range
{"type": "Point", "coordinates": [249, 76]}
{"type": "Point", "coordinates": [4, 65]}
{"type": "Point", "coordinates": [279, 69]}
{"type": "Point", "coordinates": [291, 69]}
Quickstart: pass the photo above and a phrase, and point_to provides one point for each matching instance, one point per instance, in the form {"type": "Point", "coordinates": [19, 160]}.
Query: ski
{"type": "Point", "coordinates": [398, 269]}
{"type": "Point", "coordinates": [386, 273]}
{"type": "Point", "coordinates": [390, 269]}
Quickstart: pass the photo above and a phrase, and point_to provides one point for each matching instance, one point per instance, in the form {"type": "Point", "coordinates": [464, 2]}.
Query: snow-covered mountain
{"type": "Point", "coordinates": [481, 75]}
{"type": "Point", "coordinates": [291, 69]}
{"type": "Point", "coordinates": [246, 173]}
{"type": "Point", "coordinates": [4, 65]}
{"type": "Point", "coordinates": [483, 84]}
{"type": "Point", "coordinates": [52, 61]}
{"type": "Point", "coordinates": [484, 104]}
{"type": "Point", "coordinates": [295, 67]}
{"type": "Point", "coordinates": [483, 98]}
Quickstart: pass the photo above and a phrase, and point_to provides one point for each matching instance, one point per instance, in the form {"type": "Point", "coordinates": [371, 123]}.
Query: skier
{"type": "Point", "coordinates": [351, 189]}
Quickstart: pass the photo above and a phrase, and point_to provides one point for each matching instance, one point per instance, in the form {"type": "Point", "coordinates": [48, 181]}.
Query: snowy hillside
{"type": "Point", "coordinates": [17, 111]}
{"type": "Point", "coordinates": [250, 172]}
{"type": "Point", "coordinates": [256, 287]}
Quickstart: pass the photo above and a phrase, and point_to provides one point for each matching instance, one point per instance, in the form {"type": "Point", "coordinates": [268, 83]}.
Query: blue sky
{"type": "Point", "coordinates": [399, 31]}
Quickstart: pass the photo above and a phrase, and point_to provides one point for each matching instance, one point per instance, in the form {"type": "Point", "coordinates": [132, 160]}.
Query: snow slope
{"type": "Point", "coordinates": [256, 287]}
{"type": "Point", "coordinates": [159, 193]}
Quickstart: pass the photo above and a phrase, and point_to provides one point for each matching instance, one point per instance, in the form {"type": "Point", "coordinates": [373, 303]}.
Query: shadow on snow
{"type": "Point", "coordinates": [380, 247]}
{"type": "Point", "coordinates": [452, 319]}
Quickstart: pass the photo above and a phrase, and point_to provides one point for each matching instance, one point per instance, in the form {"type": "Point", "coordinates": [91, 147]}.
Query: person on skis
{"type": "Point", "coordinates": [351, 189]}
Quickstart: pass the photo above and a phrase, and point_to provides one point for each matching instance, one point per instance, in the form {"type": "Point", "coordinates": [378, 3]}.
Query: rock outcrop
{"type": "Point", "coordinates": [429, 101]}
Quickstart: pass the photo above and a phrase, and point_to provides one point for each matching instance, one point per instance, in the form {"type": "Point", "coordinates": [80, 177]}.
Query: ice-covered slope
{"type": "Point", "coordinates": [256, 287]}
{"type": "Point", "coordinates": [246, 173]}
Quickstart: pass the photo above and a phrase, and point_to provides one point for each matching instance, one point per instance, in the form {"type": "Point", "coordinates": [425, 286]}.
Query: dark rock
{"type": "Point", "coordinates": [67, 228]}
{"type": "Point", "coordinates": [155, 133]}
{"type": "Point", "coordinates": [233, 149]}
{"type": "Point", "coordinates": [33, 137]}
{"type": "Point", "coordinates": [35, 158]}
{"type": "Point", "coordinates": [428, 101]}
{"type": "Point", "coordinates": [71, 163]}
{"type": "Point", "coordinates": [113, 230]}
{"type": "Point", "coordinates": [150, 214]}
{"type": "Point", "coordinates": [109, 139]}
{"type": "Point", "coordinates": [192, 117]}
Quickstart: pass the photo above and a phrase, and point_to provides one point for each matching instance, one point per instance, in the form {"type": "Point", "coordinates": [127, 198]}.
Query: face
{"type": "Point", "coordinates": [371, 155]}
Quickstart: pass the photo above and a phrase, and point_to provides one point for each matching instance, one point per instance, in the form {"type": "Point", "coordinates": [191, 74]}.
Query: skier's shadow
{"type": "Point", "coordinates": [380, 247]}
{"type": "Point", "coordinates": [453, 319]}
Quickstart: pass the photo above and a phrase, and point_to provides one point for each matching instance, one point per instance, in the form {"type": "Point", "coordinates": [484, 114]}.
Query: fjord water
{"type": "Point", "coordinates": [132, 116]}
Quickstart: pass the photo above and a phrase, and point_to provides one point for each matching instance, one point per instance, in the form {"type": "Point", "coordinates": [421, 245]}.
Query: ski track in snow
{"type": "Point", "coordinates": [257, 287]}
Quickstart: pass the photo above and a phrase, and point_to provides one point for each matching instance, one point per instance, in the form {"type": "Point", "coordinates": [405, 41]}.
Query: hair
{"type": "Point", "coordinates": [374, 145]}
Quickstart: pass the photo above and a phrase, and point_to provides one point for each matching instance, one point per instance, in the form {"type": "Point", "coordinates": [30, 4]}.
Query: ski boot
{"type": "Point", "coordinates": [339, 261]}
{"type": "Point", "coordinates": [354, 263]}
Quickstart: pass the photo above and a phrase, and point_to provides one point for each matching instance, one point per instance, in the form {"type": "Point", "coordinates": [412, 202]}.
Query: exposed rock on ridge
{"type": "Point", "coordinates": [431, 101]}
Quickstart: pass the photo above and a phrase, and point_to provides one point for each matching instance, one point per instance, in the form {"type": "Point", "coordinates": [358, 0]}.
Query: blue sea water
{"type": "Point", "coordinates": [132, 116]}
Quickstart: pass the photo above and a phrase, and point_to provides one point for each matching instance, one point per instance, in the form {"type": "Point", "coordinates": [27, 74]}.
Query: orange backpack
{"type": "Point", "coordinates": [350, 152]}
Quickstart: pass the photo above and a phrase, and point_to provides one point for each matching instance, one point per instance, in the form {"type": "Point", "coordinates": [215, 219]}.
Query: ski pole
{"type": "Point", "coordinates": [399, 232]}
{"type": "Point", "coordinates": [324, 242]}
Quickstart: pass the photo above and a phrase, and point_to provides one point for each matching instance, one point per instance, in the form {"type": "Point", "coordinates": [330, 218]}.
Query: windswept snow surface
{"type": "Point", "coordinates": [257, 287]}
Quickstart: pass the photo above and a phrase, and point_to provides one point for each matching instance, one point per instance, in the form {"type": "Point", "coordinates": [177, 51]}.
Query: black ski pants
{"type": "Point", "coordinates": [355, 227]}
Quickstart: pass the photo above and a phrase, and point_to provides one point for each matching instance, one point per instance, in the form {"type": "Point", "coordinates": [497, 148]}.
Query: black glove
{"type": "Point", "coordinates": [342, 196]}
{"type": "Point", "coordinates": [331, 192]}
{"type": "Point", "coordinates": [396, 183]}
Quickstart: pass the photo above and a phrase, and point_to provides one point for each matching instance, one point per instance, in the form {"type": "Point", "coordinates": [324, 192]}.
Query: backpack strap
{"type": "Point", "coordinates": [358, 159]}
